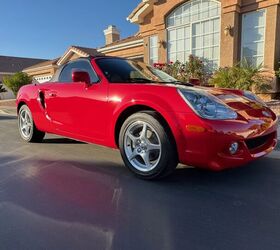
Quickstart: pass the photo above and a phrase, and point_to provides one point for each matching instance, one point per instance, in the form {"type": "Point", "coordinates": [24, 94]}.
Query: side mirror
{"type": "Point", "coordinates": [81, 76]}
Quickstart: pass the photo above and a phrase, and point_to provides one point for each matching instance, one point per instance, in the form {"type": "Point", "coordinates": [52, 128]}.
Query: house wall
{"type": "Point", "coordinates": [230, 45]}
{"type": "Point", "coordinates": [127, 52]}
{"type": "Point", "coordinates": [42, 73]}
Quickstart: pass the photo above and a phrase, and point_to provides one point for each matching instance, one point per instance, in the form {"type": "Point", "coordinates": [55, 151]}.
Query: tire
{"type": "Point", "coordinates": [146, 147]}
{"type": "Point", "coordinates": [27, 128]}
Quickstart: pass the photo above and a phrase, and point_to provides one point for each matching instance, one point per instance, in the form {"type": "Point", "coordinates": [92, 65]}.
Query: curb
{"type": "Point", "coordinates": [8, 103]}
{"type": "Point", "coordinates": [8, 111]}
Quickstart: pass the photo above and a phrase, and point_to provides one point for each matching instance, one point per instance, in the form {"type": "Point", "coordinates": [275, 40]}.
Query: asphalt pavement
{"type": "Point", "coordinates": [63, 194]}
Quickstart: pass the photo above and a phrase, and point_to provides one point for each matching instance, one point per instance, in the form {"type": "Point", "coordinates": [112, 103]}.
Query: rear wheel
{"type": "Point", "coordinates": [146, 147]}
{"type": "Point", "coordinates": [27, 128]}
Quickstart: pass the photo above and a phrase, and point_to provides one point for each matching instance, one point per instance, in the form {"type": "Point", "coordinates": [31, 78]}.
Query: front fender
{"type": "Point", "coordinates": [150, 101]}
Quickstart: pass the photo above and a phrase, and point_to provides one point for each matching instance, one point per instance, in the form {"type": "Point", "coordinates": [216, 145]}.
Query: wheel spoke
{"type": "Point", "coordinates": [22, 116]}
{"type": "Point", "coordinates": [28, 130]}
{"type": "Point", "coordinates": [132, 138]}
{"type": "Point", "coordinates": [22, 119]}
{"type": "Point", "coordinates": [133, 155]}
{"type": "Point", "coordinates": [152, 146]}
{"type": "Point", "coordinates": [24, 127]}
{"type": "Point", "coordinates": [144, 131]}
{"type": "Point", "coordinates": [146, 157]}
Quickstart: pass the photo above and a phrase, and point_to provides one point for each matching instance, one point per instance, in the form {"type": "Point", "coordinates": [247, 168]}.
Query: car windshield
{"type": "Point", "coordinates": [119, 70]}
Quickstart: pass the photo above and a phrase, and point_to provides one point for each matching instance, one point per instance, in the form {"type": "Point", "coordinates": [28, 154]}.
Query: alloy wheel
{"type": "Point", "coordinates": [142, 146]}
{"type": "Point", "coordinates": [25, 123]}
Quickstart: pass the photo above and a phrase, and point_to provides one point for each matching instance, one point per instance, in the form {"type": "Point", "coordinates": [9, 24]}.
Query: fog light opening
{"type": "Point", "coordinates": [233, 148]}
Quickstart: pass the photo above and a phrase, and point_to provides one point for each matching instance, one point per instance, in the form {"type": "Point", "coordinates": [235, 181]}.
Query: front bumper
{"type": "Point", "coordinates": [206, 143]}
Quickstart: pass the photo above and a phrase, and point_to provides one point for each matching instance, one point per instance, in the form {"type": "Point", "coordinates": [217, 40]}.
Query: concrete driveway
{"type": "Point", "coordinates": [63, 194]}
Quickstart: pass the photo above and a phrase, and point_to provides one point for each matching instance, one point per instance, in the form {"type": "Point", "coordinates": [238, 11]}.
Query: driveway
{"type": "Point", "coordinates": [63, 194]}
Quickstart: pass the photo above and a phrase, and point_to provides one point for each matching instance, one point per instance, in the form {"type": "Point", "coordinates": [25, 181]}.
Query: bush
{"type": "Point", "coordinates": [244, 76]}
{"type": "Point", "coordinates": [16, 81]}
{"type": "Point", "coordinates": [193, 69]}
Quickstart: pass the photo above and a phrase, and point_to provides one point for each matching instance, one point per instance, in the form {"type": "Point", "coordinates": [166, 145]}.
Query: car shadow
{"type": "Point", "coordinates": [7, 117]}
{"type": "Point", "coordinates": [61, 141]}
{"type": "Point", "coordinates": [104, 194]}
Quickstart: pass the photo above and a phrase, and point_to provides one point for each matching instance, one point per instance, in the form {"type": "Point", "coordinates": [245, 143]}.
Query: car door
{"type": "Point", "coordinates": [77, 109]}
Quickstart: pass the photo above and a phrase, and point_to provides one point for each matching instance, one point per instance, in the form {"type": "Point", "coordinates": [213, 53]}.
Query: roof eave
{"type": "Point", "coordinates": [71, 50]}
{"type": "Point", "coordinates": [138, 15]}
{"type": "Point", "coordinates": [122, 46]}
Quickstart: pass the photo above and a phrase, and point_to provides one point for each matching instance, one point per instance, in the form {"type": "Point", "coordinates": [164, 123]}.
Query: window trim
{"type": "Point", "coordinates": [74, 61]}
{"type": "Point", "coordinates": [157, 48]}
{"type": "Point", "coordinates": [264, 37]}
{"type": "Point", "coordinates": [190, 25]}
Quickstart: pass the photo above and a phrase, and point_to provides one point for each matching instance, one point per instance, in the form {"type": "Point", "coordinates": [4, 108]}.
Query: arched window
{"type": "Point", "coordinates": [194, 28]}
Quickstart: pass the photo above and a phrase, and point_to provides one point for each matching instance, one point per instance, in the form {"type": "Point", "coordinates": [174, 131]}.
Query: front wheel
{"type": "Point", "coordinates": [146, 147]}
{"type": "Point", "coordinates": [27, 128]}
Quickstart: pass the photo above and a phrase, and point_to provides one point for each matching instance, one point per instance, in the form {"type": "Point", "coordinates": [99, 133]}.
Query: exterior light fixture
{"type": "Point", "coordinates": [162, 43]}
{"type": "Point", "coordinates": [228, 30]}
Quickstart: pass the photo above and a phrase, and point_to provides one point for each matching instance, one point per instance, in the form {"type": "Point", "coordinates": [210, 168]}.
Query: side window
{"type": "Point", "coordinates": [66, 73]}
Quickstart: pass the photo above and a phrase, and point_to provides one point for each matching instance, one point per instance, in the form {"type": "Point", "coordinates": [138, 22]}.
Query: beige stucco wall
{"type": "Point", "coordinates": [42, 72]}
{"type": "Point", "coordinates": [127, 52]}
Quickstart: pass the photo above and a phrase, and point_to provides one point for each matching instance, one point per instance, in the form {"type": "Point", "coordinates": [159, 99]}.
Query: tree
{"type": "Point", "coordinates": [16, 81]}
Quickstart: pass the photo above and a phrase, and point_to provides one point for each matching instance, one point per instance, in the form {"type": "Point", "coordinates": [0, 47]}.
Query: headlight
{"type": "Point", "coordinates": [253, 97]}
{"type": "Point", "coordinates": [207, 106]}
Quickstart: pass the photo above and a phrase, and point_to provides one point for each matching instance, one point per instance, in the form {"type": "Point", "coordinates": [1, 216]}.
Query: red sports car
{"type": "Point", "coordinates": [152, 118]}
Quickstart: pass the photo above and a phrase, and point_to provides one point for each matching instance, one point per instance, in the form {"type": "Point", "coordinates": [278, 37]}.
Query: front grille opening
{"type": "Point", "coordinates": [257, 142]}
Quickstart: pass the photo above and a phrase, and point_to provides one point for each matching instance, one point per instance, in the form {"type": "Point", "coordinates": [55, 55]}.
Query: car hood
{"type": "Point", "coordinates": [245, 107]}
{"type": "Point", "coordinates": [229, 97]}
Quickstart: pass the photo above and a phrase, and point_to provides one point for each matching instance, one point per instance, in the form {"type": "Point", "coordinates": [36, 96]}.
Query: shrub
{"type": "Point", "coordinates": [195, 68]}
{"type": "Point", "coordinates": [192, 69]}
{"type": "Point", "coordinates": [16, 81]}
{"type": "Point", "coordinates": [244, 76]}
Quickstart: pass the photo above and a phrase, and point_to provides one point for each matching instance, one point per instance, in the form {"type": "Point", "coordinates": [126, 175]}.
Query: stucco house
{"type": "Point", "coordinates": [44, 71]}
{"type": "Point", "coordinates": [223, 32]}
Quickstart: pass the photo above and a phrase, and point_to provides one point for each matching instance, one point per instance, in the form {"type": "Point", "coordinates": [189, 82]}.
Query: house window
{"type": "Point", "coordinates": [253, 36]}
{"type": "Point", "coordinates": [194, 28]}
{"type": "Point", "coordinates": [153, 51]}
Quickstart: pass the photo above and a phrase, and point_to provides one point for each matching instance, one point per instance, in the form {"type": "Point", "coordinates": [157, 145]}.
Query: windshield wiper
{"type": "Point", "coordinates": [178, 83]}
{"type": "Point", "coordinates": [145, 80]}
{"type": "Point", "coordinates": [140, 80]}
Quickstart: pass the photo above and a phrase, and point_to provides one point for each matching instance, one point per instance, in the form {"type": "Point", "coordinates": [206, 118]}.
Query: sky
{"type": "Point", "coordinates": [46, 28]}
